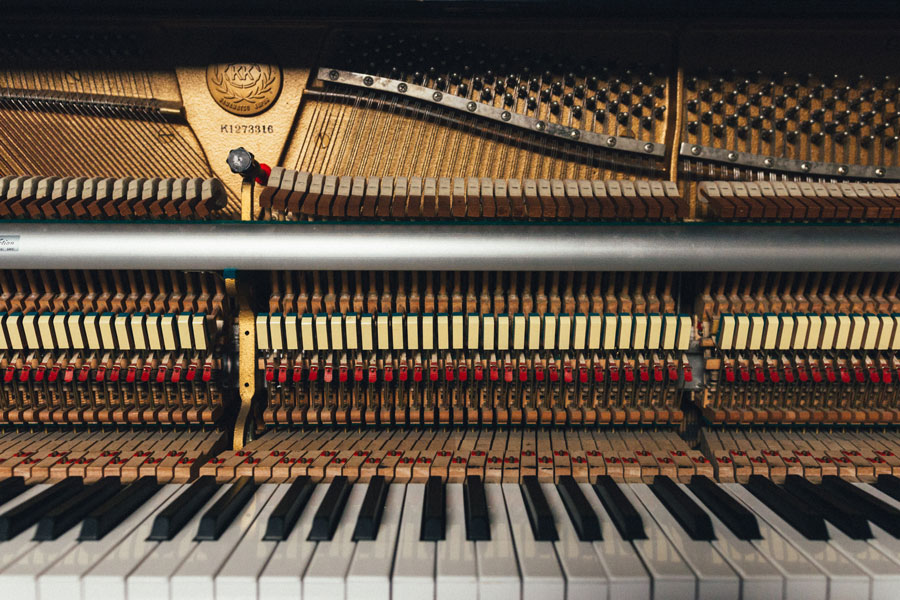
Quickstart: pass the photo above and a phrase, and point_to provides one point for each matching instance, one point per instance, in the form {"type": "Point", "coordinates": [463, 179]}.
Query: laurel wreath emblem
{"type": "Point", "coordinates": [263, 92]}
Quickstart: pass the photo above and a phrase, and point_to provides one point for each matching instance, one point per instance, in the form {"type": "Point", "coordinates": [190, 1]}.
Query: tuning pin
{"type": "Point", "coordinates": [693, 127]}
{"type": "Point", "coordinates": [488, 77]}
{"type": "Point", "coordinates": [570, 79]}
{"type": "Point", "coordinates": [578, 91]}
{"type": "Point", "coordinates": [743, 132]}
{"type": "Point", "coordinates": [508, 99]}
{"type": "Point", "coordinates": [791, 137]}
{"type": "Point", "coordinates": [647, 123]}
{"type": "Point", "coordinates": [568, 99]}
{"type": "Point", "coordinates": [601, 114]}
{"type": "Point", "coordinates": [707, 117]}
{"type": "Point", "coordinates": [817, 138]}
{"type": "Point", "coordinates": [767, 135]}
{"type": "Point", "coordinates": [554, 107]}
{"type": "Point", "coordinates": [545, 94]}
{"type": "Point", "coordinates": [622, 118]}
{"type": "Point", "coordinates": [718, 130]}
{"type": "Point", "coordinates": [718, 107]}
{"type": "Point", "coordinates": [462, 90]}
{"type": "Point", "coordinates": [576, 112]}
{"type": "Point", "coordinates": [531, 103]}
{"type": "Point", "coordinates": [591, 103]}
{"type": "Point", "coordinates": [476, 83]}
{"type": "Point", "coordinates": [659, 111]}
{"type": "Point", "coordinates": [486, 94]}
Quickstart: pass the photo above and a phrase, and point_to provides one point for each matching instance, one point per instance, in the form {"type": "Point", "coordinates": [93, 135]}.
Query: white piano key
{"type": "Point", "coordinates": [758, 577]}
{"type": "Point", "coordinates": [715, 578]}
{"type": "Point", "coordinates": [498, 571]}
{"type": "Point", "coordinates": [369, 577]}
{"type": "Point", "coordinates": [845, 579]}
{"type": "Point", "coordinates": [672, 578]}
{"type": "Point", "coordinates": [283, 576]}
{"type": "Point", "coordinates": [11, 550]}
{"type": "Point", "coordinates": [413, 575]}
{"type": "Point", "coordinates": [64, 580]}
{"type": "Point", "coordinates": [237, 579]}
{"type": "Point", "coordinates": [585, 574]}
{"type": "Point", "coordinates": [195, 578]}
{"type": "Point", "coordinates": [150, 580]}
{"type": "Point", "coordinates": [542, 576]}
{"type": "Point", "coordinates": [626, 573]}
{"type": "Point", "coordinates": [886, 543]}
{"type": "Point", "coordinates": [802, 579]}
{"type": "Point", "coordinates": [325, 576]}
{"type": "Point", "coordinates": [456, 569]}
{"type": "Point", "coordinates": [108, 577]}
{"type": "Point", "coordinates": [883, 572]}
{"type": "Point", "coordinates": [19, 579]}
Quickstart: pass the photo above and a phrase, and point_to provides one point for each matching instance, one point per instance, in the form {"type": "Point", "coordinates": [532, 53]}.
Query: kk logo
{"type": "Point", "coordinates": [244, 88]}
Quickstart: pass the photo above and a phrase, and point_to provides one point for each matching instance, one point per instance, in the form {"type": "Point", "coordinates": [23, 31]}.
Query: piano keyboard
{"type": "Point", "coordinates": [338, 539]}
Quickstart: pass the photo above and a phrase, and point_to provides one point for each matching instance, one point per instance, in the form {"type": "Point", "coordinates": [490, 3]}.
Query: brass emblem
{"type": "Point", "coordinates": [244, 88]}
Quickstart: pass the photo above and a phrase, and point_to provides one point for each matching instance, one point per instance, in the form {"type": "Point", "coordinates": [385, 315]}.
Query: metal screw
{"type": "Point", "coordinates": [471, 106]}
{"type": "Point", "coordinates": [540, 125]}
{"type": "Point", "coordinates": [437, 96]}
{"type": "Point", "coordinates": [842, 170]}
{"type": "Point", "coordinates": [368, 80]}
{"type": "Point", "coordinates": [648, 147]}
{"type": "Point", "coordinates": [769, 162]}
{"type": "Point", "coordinates": [333, 75]}
{"type": "Point", "coordinates": [696, 150]}
{"type": "Point", "coordinates": [879, 172]}
{"type": "Point", "coordinates": [732, 156]}
{"type": "Point", "coordinates": [611, 142]}
{"type": "Point", "coordinates": [804, 167]}
{"type": "Point", "coordinates": [574, 134]}
{"type": "Point", "coordinates": [402, 87]}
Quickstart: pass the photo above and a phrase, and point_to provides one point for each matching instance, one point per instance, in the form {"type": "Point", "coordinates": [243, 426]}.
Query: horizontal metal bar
{"type": "Point", "coordinates": [789, 165]}
{"type": "Point", "coordinates": [626, 247]}
{"type": "Point", "coordinates": [488, 111]}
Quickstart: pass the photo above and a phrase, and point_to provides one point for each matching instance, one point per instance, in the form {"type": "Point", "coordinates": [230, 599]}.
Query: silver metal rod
{"type": "Point", "coordinates": [263, 246]}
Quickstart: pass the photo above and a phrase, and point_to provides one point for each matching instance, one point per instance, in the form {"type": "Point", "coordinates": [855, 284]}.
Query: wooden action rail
{"type": "Point", "coordinates": [170, 456]}
{"type": "Point", "coordinates": [862, 455]}
{"type": "Point", "coordinates": [299, 194]}
{"type": "Point", "coordinates": [497, 455]}
{"type": "Point", "coordinates": [98, 198]}
{"type": "Point", "coordinates": [799, 201]}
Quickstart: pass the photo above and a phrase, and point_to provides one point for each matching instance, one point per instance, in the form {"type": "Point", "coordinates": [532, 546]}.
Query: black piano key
{"type": "Point", "coordinates": [890, 485]}
{"type": "Point", "coordinates": [434, 511]}
{"type": "Point", "coordinates": [538, 510]}
{"type": "Point", "coordinates": [216, 520]}
{"type": "Point", "coordinates": [284, 517]}
{"type": "Point", "coordinates": [478, 525]}
{"type": "Point", "coordinates": [65, 516]}
{"type": "Point", "coordinates": [115, 510]}
{"type": "Point", "coordinates": [622, 513]}
{"type": "Point", "coordinates": [732, 513]}
{"type": "Point", "coordinates": [369, 519]}
{"type": "Point", "coordinates": [10, 488]}
{"type": "Point", "coordinates": [797, 514]}
{"type": "Point", "coordinates": [843, 516]}
{"type": "Point", "coordinates": [18, 519]}
{"type": "Point", "coordinates": [583, 517]}
{"type": "Point", "coordinates": [177, 513]}
{"type": "Point", "coordinates": [692, 518]}
{"type": "Point", "coordinates": [327, 516]}
{"type": "Point", "coordinates": [876, 510]}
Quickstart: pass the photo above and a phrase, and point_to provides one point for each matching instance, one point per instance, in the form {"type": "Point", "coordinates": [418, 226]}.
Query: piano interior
{"type": "Point", "coordinates": [443, 299]}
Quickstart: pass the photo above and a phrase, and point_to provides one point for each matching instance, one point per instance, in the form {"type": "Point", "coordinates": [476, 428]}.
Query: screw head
{"type": "Point", "coordinates": [648, 147]}
{"type": "Point", "coordinates": [368, 80]}
{"type": "Point", "coordinates": [879, 172]}
{"type": "Point", "coordinates": [611, 141]}
{"type": "Point", "coordinates": [842, 170]}
{"type": "Point", "coordinates": [402, 87]}
{"type": "Point", "coordinates": [574, 134]}
{"type": "Point", "coordinates": [732, 156]}
{"type": "Point", "coordinates": [437, 96]}
{"type": "Point", "coordinates": [696, 150]}
{"type": "Point", "coordinates": [333, 75]}
{"type": "Point", "coordinates": [540, 125]}
{"type": "Point", "coordinates": [471, 106]}
{"type": "Point", "coordinates": [505, 115]}
{"type": "Point", "coordinates": [804, 167]}
{"type": "Point", "coordinates": [768, 162]}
